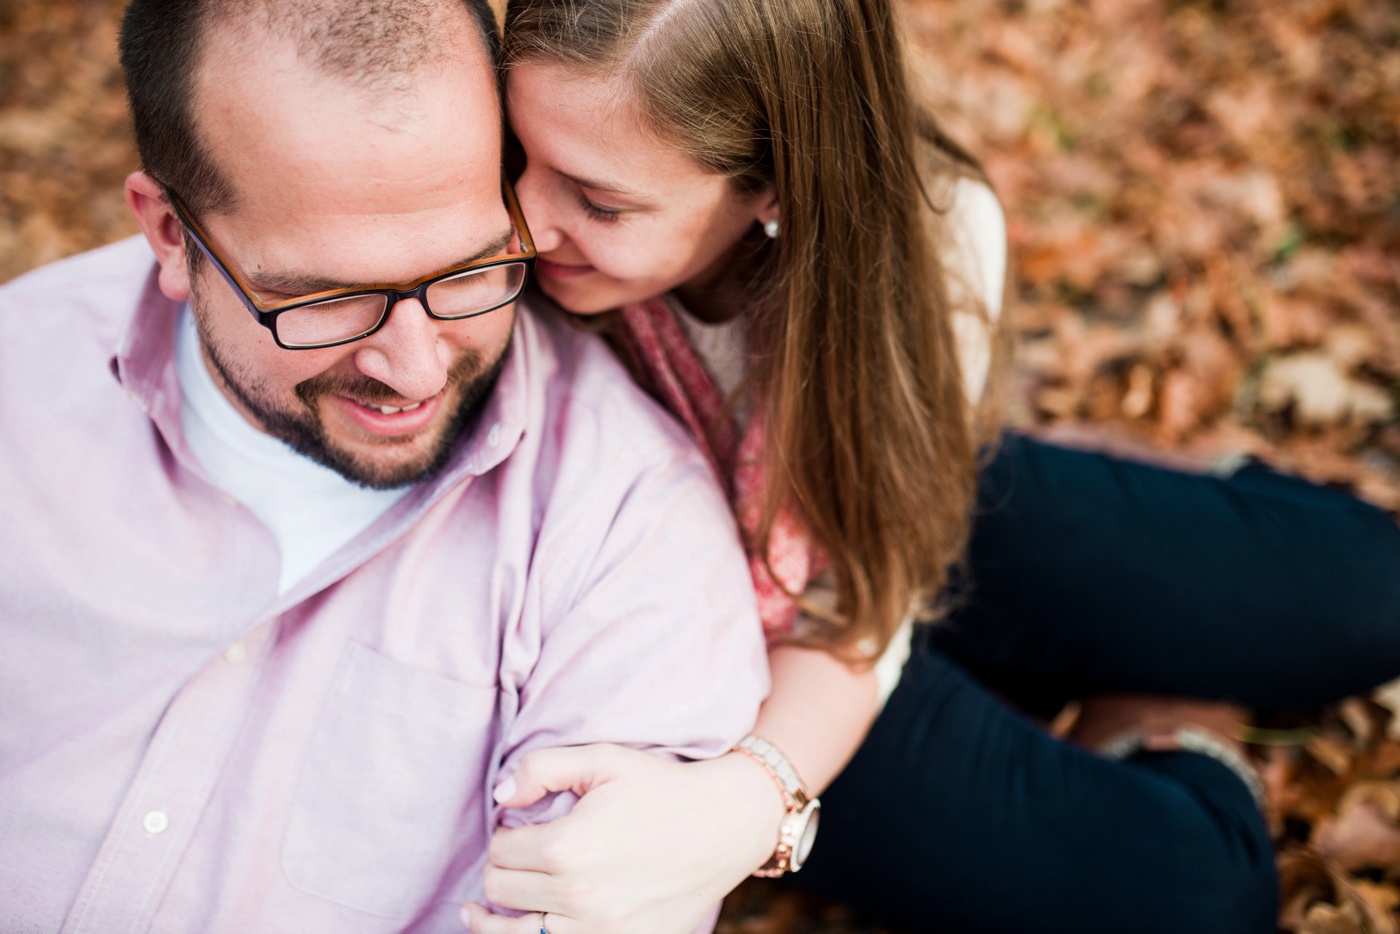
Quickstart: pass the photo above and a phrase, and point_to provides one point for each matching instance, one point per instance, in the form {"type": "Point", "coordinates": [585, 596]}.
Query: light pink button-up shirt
{"type": "Point", "coordinates": [182, 750]}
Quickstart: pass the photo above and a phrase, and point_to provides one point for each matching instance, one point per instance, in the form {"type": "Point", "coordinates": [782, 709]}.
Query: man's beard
{"type": "Point", "coordinates": [302, 430]}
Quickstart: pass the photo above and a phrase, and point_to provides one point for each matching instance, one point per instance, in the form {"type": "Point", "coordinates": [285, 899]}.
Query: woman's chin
{"type": "Point", "coordinates": [579, 298]}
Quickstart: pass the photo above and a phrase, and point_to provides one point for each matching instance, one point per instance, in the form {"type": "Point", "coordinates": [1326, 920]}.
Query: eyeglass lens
{"type": "Point", "coordinates": [473, 292]}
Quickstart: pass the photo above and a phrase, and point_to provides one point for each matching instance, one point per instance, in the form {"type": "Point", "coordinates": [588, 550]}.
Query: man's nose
{"type": "Point", "coordinates": [408, 354]}
{"type": "Point", "coordinates": [533, 193]}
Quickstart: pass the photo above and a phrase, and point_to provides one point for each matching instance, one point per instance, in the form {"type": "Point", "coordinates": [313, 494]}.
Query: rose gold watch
{"type": "Point", "coordinates": [798, 830]}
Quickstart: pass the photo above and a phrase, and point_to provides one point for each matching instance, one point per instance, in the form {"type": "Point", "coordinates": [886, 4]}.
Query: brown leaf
{"type": "Point", "coordinates": [1179, 406]}
{"type": "Point", "coordinates": [1388, 696]}
{"type": "Point", "coordinates": [1357, 717]}
{"type": "Point", "coordinates": [1321, 392]}
{"type": "Point", "coordinates": [1323, 918]}
{"type": "Point", "coordinates": [1331, 753]}
{"type": "Point", "coordinates": [1359, 836]}
{"type": "Point", "coordinates": [1323, 899]}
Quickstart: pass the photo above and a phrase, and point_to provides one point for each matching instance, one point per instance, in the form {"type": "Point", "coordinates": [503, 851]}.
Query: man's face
{"type": "Point", "coordinates": [338, 188]}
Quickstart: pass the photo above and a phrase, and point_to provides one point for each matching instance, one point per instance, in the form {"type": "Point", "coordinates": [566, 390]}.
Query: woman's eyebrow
{"type": "Point", "coordinates": [595, 185]}
{"type": "Point", "coordinates": [299, 283]}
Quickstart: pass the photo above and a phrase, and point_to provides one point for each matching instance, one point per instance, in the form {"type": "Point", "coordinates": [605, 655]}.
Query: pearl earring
{"type": "Point", "coordinates": [771, 228]}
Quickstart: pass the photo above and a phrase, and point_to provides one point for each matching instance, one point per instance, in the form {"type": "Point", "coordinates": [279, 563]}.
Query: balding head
{"type": "Point", "coordinates": [347, 146]}
{"type": "Point", "coordinates": [377, 46]}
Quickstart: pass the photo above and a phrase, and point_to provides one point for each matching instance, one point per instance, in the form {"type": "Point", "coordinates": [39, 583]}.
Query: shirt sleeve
{"type": "Point", "coordinates": [658, 646]}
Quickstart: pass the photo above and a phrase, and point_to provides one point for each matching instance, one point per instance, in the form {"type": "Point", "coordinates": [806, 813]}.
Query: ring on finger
{"type": "Point", "coordinates": [542, 928]}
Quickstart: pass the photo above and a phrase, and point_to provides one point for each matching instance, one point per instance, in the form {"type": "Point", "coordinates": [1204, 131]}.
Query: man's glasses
{"type": "Point", "coordinates": [339, 316]}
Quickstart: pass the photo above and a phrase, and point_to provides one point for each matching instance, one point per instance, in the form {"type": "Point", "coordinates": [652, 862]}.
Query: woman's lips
{"type": "Point", "coordinates": [553, 270]}
{"type": "Point", "coordinates": [397, 421]}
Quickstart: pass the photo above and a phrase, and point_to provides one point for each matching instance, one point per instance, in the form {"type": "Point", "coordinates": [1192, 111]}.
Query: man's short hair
{"type": "Point", "coordinates": [371, 42]}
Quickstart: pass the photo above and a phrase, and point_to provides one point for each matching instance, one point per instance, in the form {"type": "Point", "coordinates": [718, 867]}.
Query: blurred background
{"type": "Point", "coordinates": [1204, 209]}
{"type": "Point", "coordinates": [1204, 204]}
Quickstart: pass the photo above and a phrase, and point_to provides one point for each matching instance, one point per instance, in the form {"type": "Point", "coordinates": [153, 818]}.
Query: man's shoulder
{"type": "Point", "coordinates": [604, 463]}
{"type": "Point", "coordinates": [588, 391]}
{"type": "Point", "coordinates": [101, 285]}
{"type": "Point", "coordinates": [125, 261]}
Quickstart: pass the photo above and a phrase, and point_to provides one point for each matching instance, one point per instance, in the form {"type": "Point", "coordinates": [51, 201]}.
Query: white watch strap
{"type": "Point", "coordinates": [778, 765]}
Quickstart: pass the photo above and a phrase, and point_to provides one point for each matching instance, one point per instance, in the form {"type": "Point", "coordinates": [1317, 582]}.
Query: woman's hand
{"type": "Point", "coordinates": [650, 848]}
{"type": "Point", "coordinates": [652, 845]}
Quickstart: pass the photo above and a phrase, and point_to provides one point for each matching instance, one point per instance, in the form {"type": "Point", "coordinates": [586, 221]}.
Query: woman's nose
{"type": "Point", "coordinates": [539, 209]}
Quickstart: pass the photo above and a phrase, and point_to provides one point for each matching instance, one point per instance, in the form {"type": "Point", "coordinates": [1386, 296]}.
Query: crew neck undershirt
{"type": "Point", "coordinates": [311, 510]}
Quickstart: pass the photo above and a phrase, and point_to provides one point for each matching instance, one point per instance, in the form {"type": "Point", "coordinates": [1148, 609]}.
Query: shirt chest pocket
{"type": "Point", "coordinates": [392, 792]}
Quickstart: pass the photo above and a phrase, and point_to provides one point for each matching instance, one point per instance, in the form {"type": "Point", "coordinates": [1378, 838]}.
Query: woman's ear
{"type": "Point", "coordinates": [164, 233]}
{"type": "Point", "coordinates": [767, 207]}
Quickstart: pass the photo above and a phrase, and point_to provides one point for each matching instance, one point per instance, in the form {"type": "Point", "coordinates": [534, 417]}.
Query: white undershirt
{"type": "Point", "coordinates": [311, 510]}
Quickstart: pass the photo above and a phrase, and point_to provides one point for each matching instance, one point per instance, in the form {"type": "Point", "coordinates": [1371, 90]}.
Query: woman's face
{"type": "Point", "coordinates": [617, 215]}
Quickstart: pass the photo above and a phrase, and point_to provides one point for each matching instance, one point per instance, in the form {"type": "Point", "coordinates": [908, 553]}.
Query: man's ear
{"type": "Point", "coordinates": [163, 231]}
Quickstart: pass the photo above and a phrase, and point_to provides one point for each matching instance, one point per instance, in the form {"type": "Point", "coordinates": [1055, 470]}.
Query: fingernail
{"type": "Point", "coordinates": [505, 791]}
{"type": "Point", "coordinates": [466, 917]}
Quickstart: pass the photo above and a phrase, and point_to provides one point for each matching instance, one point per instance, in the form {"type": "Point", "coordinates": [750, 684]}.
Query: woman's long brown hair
{"type": "Point", "coordinates": [869, 438]}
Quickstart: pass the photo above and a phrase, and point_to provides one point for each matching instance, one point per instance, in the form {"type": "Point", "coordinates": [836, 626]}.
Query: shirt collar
{"type": "Point", "coordinates": [144, 360]}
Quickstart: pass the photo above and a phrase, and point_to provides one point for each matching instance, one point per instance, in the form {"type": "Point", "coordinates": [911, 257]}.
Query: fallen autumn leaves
{"type": "Point", "coordinates": [1205, 219]}
{"type": "Point", "coordinates": [1204, 203]}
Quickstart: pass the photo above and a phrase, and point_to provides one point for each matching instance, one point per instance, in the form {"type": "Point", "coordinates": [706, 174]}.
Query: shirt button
{"type": "Point", "coordinates": [493, 437]}
{"type": "Point", "coordinates": [235, 653]}
{"type": "Point", "coordinates": [155, 822]}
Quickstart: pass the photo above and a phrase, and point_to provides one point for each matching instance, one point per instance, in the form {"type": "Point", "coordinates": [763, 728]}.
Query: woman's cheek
{"type": "Point", "coordinates": [636, 257]}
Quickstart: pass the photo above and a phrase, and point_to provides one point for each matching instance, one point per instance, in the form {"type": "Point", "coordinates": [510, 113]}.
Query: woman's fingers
{"type": "Point", "coordinates": [628, 859]}
{"type": "Point", "coordinates": [522, 847]}
{"type": "Point", "coordinates": [521, 891]}
{"type": "Point", "coordinates": [479, 920]}
{"type": "Point", "coordinates": [575, 769]}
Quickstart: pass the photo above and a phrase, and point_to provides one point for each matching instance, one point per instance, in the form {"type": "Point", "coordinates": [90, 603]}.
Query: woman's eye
{"type": "Point", "coordinates": [597, 213]}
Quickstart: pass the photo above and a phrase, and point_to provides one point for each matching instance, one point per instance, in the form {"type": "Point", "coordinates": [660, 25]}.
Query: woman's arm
{"type": "Point", "coordinates": [818, 712]}
{"type": "Point", "coordinates": [653, 845]}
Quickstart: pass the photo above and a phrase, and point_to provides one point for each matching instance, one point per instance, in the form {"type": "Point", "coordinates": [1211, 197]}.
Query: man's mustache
{"type": "Point", "coordinates": [370, 391]}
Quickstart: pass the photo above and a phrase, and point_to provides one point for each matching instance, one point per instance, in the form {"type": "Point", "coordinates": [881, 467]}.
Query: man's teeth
{"type": "Point", "coordinates": [390, 410]}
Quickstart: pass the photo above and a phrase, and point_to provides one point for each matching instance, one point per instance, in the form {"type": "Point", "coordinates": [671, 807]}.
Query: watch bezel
{"type": "Point", "coordinates": [798, 831]}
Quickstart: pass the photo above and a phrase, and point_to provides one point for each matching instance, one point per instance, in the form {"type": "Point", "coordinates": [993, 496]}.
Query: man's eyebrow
{"type": "Point", "coordinates": [298, 283]}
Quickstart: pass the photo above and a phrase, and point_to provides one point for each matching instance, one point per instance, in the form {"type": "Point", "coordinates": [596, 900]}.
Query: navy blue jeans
{"type": "Point", "coordinates": [1088, 574]}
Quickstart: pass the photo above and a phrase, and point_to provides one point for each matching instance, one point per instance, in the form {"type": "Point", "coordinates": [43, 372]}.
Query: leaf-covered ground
{"type": "Point", "coordinates": [1204, 202]}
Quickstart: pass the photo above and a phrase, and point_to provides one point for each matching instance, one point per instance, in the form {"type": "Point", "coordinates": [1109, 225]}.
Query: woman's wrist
{"type": "Point", "coordinates": [802, 812]}
{"type": "Point", "coordinates": [762, 805]}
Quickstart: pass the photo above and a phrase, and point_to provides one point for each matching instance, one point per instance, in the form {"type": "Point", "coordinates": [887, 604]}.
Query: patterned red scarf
{"type": "Point", "coordinates": [682, 383]}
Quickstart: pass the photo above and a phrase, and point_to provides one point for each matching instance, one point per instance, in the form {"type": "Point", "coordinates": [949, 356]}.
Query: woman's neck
{"type": "Point", "coordinates": [712, 303]}
{"type": "Point", "coordinates": [721, 293]}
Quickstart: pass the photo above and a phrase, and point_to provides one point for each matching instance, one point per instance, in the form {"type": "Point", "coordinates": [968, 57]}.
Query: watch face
{"type": "Point", "coordinates": [808, 819]}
